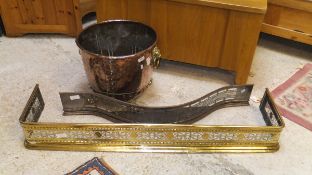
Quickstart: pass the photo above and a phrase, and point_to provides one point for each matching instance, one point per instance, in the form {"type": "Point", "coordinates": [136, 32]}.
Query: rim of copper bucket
{"type": "Point", "coordinates": [115, 57]}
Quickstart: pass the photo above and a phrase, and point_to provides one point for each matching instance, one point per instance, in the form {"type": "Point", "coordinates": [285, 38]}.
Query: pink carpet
{"type": "Point", "coordinates": [294, 97]}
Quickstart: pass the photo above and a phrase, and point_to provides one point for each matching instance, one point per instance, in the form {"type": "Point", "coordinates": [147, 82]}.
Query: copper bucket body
{"type": "Point", "coordinates": [119, 57]}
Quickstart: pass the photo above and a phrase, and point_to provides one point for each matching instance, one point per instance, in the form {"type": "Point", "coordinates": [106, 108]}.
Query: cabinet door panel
{"type": "Point", "coordinates": [38, 12]}
{"type": "Point", "coordinates": [38, 16]}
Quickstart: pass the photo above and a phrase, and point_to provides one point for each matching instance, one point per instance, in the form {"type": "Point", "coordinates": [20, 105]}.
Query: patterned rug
{"type": "Point", "coordinates": [294, 97]}
{"type": "Point", "coordinates": [93, 167]}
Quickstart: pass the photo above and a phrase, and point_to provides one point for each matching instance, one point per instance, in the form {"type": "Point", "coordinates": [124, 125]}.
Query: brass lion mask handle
{"type": "Point", "coordinates": [156, 57]}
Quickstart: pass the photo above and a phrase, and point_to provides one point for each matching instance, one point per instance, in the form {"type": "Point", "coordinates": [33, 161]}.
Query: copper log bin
{"type": "Point", "coordinates": [119, 57]}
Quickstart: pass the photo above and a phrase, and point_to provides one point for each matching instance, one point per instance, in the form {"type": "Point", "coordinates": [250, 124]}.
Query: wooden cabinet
{"type": "Point", "coordinates": [213, 33]}
{"type": "Point", "coordinates": [83, 7]}
{"type": "Point", "coordinates": [291, 19]}
{"type": "Point", "coordinates": [44, 16]}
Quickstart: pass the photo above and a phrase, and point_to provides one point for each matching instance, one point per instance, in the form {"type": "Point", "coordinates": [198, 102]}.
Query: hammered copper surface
{"type": "Point", "coordinates": [117, 57]}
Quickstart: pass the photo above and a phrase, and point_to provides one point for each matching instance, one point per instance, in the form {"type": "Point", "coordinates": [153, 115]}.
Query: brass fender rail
{"type": "Point", "coordinates": [150, 137]}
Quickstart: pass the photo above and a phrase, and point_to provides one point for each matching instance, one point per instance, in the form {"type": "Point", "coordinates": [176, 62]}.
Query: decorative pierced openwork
{"type": "Point", "coordinates": [150, 137]}
{"type": "Point", "coordinates": [116, 110]}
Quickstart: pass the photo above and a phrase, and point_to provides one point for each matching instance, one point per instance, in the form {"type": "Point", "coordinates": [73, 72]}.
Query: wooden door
{"type": "Point", "coordinates": [38, 16]}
